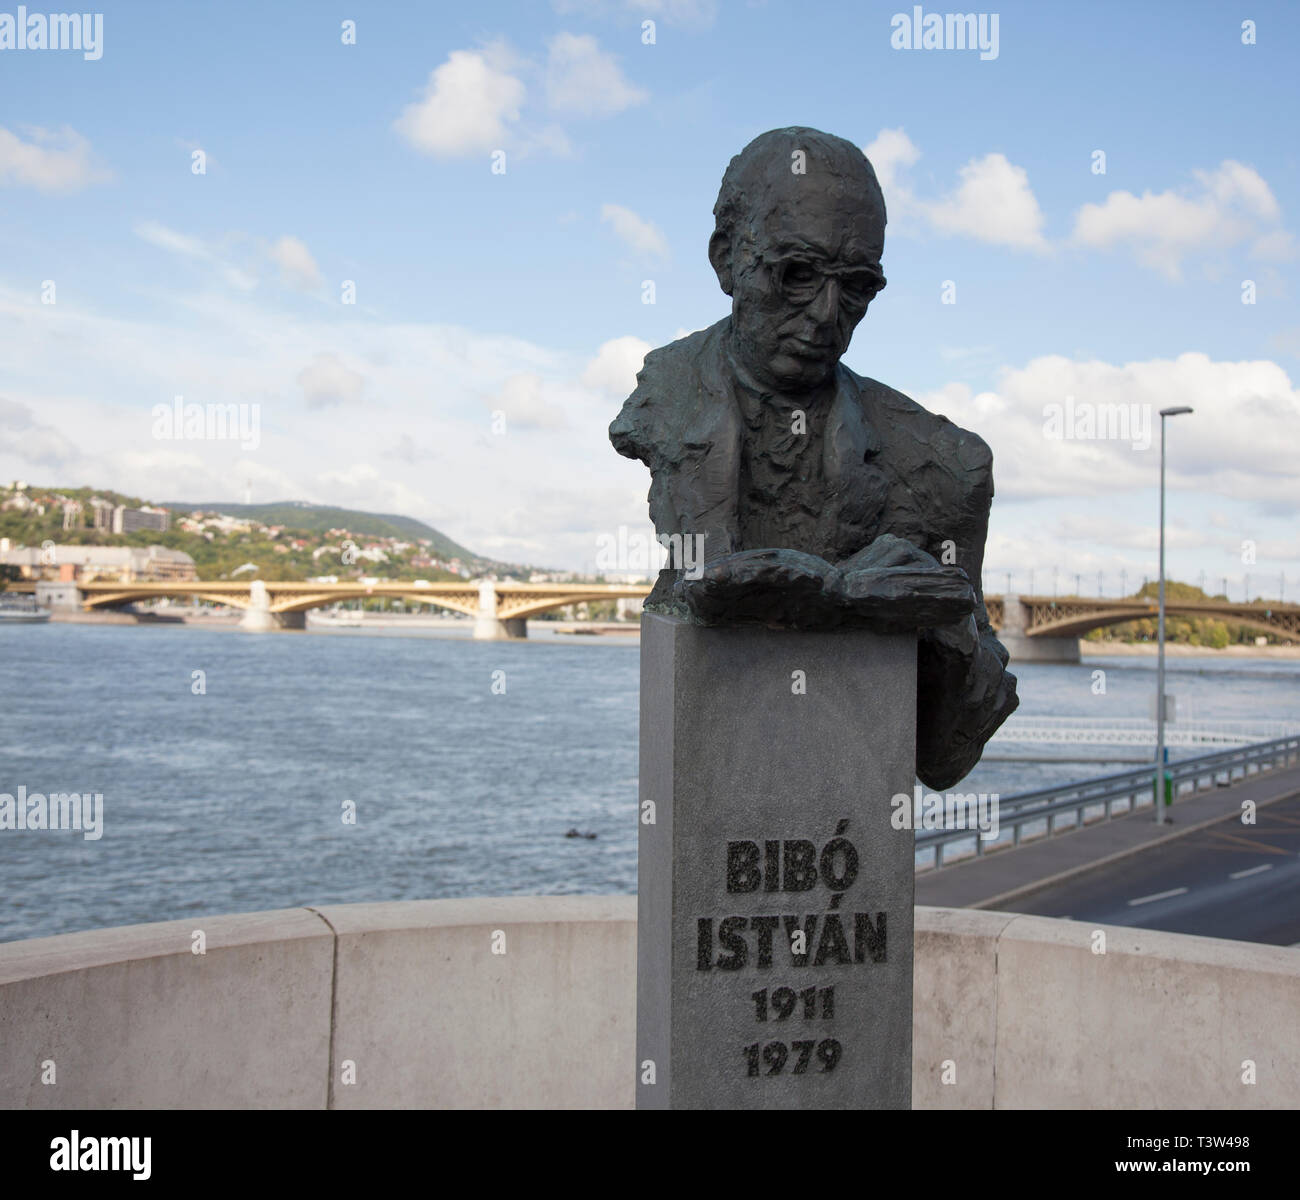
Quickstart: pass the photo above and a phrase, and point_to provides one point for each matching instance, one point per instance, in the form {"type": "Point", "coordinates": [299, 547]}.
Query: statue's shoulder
{"type": "Point", "coordinates": [922, 435]}
{"type": "Point", "coordinates": [670, 388]}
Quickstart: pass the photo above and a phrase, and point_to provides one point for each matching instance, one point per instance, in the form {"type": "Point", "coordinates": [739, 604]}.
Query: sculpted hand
{"type": "Point", "coordinates": [895, 587]}
{"type": "Point", "coordinates": [784, 588]}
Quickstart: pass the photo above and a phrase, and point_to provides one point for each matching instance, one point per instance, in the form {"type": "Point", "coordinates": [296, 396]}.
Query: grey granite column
{"type": "Point", "coordinates": [774, 952]}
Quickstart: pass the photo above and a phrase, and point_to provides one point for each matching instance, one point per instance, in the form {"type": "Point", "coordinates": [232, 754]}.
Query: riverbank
{"type": "Point", "coordinates": [1181, 650]}
{"type": "Point", "coordinates": [230, 619]}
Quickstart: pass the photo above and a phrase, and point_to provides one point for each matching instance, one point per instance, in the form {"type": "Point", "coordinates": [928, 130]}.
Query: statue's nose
{"type": "Point", "coordinates": [825, 304]}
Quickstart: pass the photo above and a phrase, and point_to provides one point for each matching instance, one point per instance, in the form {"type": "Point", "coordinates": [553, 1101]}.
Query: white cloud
{"type": "Point", "coordinates": [96, 378]}
{"type": "Point", "coordinates": [1235, 444]}
{"type": "Point", "coordinates": [36, 442]}
{"type": "Point", "coordinates": [188, 246]}
{"type": "Point", "coordinates": [170, 239]}
{"type": "Point", "coordinates": [297, 267]}
{"type": "Point", "coordinates": [1228, 206]}
{"type": "Point", "coordinates": [470, 104]}
{"type": "Point", "coordinates": [641, 235]}
{"type": "Point", "coordinates": [361, 485]}
{"type": "Point", "coordinates": [584, 80]}
{"type": "Point", "coordinates": [328, 381]}
{"type": "Point", "coordinates": [522, 400]}
{"type": "Point", "coordinates": [993, 203]}
{"type": "Point", "coordinates": [613, 371]}
{"type": "Point", "coordinates": [1278, 246]}
{"type": "Point", "coordinates": [50, 162]}
{"type": "Point", "coordinates": [1235, 184]}
{"type": "Point", "coordinates": [891, 153]}
{"type": "Point", "coordinates": [546, 488]}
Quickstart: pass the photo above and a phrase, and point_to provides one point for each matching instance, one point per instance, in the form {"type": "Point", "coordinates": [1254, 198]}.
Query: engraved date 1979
{"type": "Point", "coordinates": [775, 1055]}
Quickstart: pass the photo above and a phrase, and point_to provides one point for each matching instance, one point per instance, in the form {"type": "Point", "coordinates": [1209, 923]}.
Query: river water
{"type": "Point", "coordinates": [226, 791]}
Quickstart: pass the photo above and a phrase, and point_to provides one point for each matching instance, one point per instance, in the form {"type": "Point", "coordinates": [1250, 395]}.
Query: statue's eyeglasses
{"type": "Point", "coordinates": [800, 280]}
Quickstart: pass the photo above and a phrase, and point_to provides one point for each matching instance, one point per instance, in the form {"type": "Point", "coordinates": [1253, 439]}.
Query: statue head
{"type": "Point", "coordinates": [799, 232]}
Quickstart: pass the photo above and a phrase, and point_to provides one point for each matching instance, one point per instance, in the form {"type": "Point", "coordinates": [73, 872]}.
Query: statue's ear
{"type": "Point", "coordinates": [720, 257]}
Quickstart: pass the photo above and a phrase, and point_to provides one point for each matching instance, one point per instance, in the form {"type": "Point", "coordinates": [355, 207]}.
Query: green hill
{"type": "Point", "coordinates": [317, 518]}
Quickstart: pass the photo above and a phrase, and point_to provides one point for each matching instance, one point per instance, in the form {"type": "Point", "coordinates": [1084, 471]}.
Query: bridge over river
{"type": "Point", "coordinates": [1033, 628]}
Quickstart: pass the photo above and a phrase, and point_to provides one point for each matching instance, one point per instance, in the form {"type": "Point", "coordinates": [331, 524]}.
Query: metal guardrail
{"type": "Point", "coordinates": [1102, 796]}
{"type": "Point", "coordinates": [1138, 731]}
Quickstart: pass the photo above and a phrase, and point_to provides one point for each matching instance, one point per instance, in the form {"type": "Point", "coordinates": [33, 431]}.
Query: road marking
{"type": "Point", "coordinates": [1250, 871]}
{"type": "Point", "coordinates": [1254, 845]}
{"type": "Point", "coordinates": [1157, 896]}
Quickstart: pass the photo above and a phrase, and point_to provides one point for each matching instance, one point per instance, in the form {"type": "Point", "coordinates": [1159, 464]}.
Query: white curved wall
{"type": "Point", "coordinates": [1016, 1011]}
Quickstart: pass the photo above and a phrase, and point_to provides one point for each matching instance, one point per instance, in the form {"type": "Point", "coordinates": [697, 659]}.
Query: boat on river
{"type": "Point", "coordinates": [21, 610]}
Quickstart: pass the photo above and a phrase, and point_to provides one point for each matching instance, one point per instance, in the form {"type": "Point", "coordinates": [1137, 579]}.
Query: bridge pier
{"type": "Point", "coordinates": [58, 596]}
{"type": "Point", "coordinates": [258, 617]}
{"type": "Point", "coordinates": [488, 627]}
{"type": "Point", "coordinates": [1023, 648]}
{"type": "Point", "coordinates": [493, 629]}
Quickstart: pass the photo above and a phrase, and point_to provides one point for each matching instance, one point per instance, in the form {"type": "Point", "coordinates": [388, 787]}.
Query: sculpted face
{"type": "Point", "coordinates": [802, 276]}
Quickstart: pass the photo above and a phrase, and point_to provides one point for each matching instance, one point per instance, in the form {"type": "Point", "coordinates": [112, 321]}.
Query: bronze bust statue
{"type": "Point", "coordinates": [824, 499]}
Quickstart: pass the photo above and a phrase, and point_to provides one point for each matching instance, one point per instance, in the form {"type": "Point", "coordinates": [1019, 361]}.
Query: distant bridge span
{"type": "Point", "coordinates": [1033, 628]}
{"type": "Point", "coordinates": [1047, 628]}
{"type": "Point", "coordinates": [500, 609]}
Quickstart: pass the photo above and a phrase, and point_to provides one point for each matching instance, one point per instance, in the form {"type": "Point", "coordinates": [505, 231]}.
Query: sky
{"type": "Point", "coordinates": [416, 239]}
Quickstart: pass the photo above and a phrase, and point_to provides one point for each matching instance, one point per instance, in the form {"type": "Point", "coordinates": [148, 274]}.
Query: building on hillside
{"type": "Point", "coordinates": [83, 564]}
{"type": "Point", "coordinates": [21, 502]}
{"type": "Point", "coordinates": [74, 516]}
{"type": "Point", "coordinates": [129, 520]}
{"type": "Point", "coordinates": [102, 513]}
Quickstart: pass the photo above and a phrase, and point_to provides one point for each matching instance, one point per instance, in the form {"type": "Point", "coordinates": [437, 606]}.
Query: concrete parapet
{"type": "Point", "coordinates": [134, 1018]}
{"type": "Point", "coordinates": [504, 1003]}
{"type": "Point", "coordinates": [432, 1008]}
{"type": "Point", "coordinates": [1160, 1020]}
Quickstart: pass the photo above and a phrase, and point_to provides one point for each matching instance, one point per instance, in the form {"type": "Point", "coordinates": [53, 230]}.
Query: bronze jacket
{"type": "Point", "coordinates": [887, 466]}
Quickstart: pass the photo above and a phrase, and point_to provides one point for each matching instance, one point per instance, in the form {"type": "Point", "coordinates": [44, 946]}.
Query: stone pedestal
{"type": "Point", "coordinates": [774, 926]}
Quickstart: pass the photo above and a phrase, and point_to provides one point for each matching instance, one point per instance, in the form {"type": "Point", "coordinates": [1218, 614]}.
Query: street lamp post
{"type": "Point", "coordinates": [1160, 631]}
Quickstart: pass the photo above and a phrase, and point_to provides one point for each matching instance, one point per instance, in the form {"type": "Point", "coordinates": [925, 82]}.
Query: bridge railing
{"type": "Point", "coordinates": [1139, 731]}
{"type": "Point", "coordinates": [1044, 813]}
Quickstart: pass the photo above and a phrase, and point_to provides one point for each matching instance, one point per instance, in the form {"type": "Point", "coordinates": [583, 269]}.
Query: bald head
{"type": "Point", "coordinates": [777, 170]}
{"type": "Point", "coordinates": [798, 237]}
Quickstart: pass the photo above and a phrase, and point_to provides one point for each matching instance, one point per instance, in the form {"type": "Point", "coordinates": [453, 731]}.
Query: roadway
{"type": "Point", "coordinates": [1207, 873]}
{"type": "Point", "coordinates": [1227, 881]}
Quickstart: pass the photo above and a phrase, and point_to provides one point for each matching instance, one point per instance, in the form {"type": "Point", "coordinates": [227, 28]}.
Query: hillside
{"type": "Point", "coordinates": [319, 518]}
{"type": "Point", "coordinates": [287, 540]}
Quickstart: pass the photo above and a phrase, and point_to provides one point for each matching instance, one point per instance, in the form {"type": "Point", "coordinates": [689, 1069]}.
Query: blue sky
{"type": "Point", "coordinates": [521, 292]}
